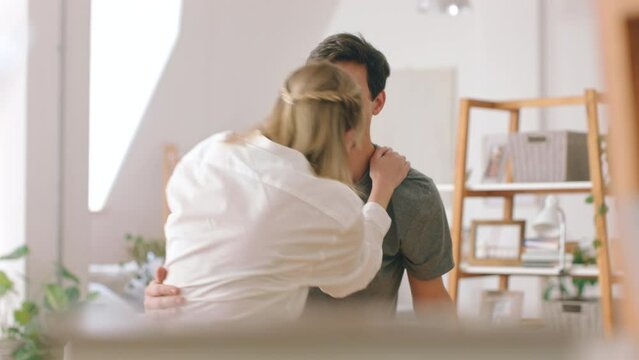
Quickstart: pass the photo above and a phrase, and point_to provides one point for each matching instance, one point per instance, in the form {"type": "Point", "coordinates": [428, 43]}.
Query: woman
{"type": "Point", "coordinates": [258, 218]}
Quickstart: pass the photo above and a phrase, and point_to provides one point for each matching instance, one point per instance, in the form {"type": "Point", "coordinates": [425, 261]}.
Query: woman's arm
{"type": "Point", "coordinates": [350, 271]}
{"type": "Point", "coordinates": [388, 169]}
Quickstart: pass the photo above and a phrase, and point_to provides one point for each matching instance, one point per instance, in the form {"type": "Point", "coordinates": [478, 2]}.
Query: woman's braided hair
{"type": "Point", "coordinates": [317, 105]}
{"type": "Point", "coordinates": [330, 96]}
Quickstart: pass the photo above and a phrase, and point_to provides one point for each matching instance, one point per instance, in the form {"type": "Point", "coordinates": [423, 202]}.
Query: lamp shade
{"type": "Point", "coordinates": [549, 218]}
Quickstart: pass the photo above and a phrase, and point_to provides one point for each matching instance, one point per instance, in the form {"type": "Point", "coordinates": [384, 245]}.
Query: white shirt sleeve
{"type": "Point", "coordinates": [359, 256]}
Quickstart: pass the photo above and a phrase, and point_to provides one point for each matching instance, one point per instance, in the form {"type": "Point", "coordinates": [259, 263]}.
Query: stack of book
{"type": "Point", "coordinates": [542, 252]}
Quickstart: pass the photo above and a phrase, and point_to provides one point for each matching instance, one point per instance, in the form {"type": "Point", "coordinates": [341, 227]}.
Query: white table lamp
{"type": "Point", "coordinates": [549, 219]}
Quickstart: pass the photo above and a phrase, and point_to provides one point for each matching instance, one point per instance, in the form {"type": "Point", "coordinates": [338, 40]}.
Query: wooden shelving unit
{"type": "Point", "coordinates": [620, 48]}
{"type": "Point", "coordinates": [508, 189]}
{"type": "Point", "coordinates": [169, 162]}
{"type": "Point", "coordinates": [589, 100]}
{"type": "Point", "coordinates": [577, 271]}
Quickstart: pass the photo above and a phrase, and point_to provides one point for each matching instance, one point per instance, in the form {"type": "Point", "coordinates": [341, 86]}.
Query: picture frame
{"type": "Point", "coordinates": [496, 242]}
{"type": "Point", "coordinates": [495, 158]}
{"type": "Point", "coordinates": [501, 306]}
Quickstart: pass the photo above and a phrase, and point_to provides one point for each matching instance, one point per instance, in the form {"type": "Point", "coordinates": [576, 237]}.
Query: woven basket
{"type": "Point", "coordinates": [552, 156]}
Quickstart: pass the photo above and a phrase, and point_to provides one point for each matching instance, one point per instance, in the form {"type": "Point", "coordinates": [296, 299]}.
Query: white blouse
{"type": "Point", "coordinates": [252, 228]}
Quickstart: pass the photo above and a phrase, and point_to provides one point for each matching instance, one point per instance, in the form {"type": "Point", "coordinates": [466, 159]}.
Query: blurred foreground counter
{"type": "Point", "coordinates": [139, 338]}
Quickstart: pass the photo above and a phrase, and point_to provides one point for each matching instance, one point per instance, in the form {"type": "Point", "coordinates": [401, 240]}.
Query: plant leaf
{"type": "Point", "coordinates": [93, 295]}
{"type": "Point", "coordinates": [5, 284]}
{"type": "Point", "coordinates": [580, 285]}
{"type": "Point", "coordinates": [13, 332]}
{"type": "Point", "coordinates": [55, 298]}
{"type": "Point", "coordinates": [603, 209]}
{"type": "Point", "coordinates": [64, 273]}
{"type": "Point", "coordinates": [73, 294]}
{"type": "Point", "coordinates": [16, 254]}
{"type": "Point", "coordinates": [26, 313]}
{"type": "Point", "coordinates": [578, 256]}
{"type": "Point", "coordinates": [548, 292]}
{"type": "Point", "coordinates": [596, 243]}
{"type": "Point", "coordinates": [28, 351]}
{"type": "Point", "coordinates": [590, 199]}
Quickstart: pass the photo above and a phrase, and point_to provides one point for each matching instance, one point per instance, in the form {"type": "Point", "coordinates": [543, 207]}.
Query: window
{"type": "Point", "coordinates": [131, 42]}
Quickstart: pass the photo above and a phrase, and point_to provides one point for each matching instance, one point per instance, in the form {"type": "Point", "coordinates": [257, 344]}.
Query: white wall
{"type": "Point", "coordinates": [56, 132]}
{"type": "Point", "coordinates": [572, 63]}
{"type": "Point", "coordinates": [42, 140]}
{"type": "Point", "coordinates": [75, 222]}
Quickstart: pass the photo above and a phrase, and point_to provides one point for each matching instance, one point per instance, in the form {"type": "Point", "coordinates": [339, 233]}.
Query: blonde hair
{"type": "Point", "coordinates": [318, 103]}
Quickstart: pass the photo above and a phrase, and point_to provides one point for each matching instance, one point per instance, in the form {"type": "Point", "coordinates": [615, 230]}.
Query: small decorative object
{"type": "Point", "coordinates": [550, 220]}
{"type": "Point", "coordinates": [496, 242]}
{"type": "Point", "coordinates": [495, 155]}
{"type": "Point", "coordinates": [501, 307]}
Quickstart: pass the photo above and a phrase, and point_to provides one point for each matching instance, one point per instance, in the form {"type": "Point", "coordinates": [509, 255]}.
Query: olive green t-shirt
{"type": "Point", "coordinates": [418, 241]}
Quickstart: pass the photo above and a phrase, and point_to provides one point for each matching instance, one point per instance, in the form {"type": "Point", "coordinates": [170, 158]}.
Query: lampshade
{"type": "Point", "coordinates": [549, 218]}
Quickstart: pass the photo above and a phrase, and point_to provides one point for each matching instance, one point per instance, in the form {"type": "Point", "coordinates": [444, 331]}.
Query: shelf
{"type": "Point", "coordinates": [575, 270]}
{"type": "Point", "coordinates": [507, 189]}
{"type": "Point", "coordinates": [446, 187]}
{"type": "Point", "coordinates": [520, 188]}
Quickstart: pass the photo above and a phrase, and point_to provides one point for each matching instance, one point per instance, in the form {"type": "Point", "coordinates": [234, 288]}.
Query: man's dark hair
{"type": "Point", "coordinates": [349, 47]}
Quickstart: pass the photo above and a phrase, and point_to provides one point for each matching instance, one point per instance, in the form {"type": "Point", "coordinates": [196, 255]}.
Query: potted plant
{"type": "Point", "coordinates": [24, 333]}
{"type": "Point", "coordinates": [148, 255]}
{"type": "Point", "coordinates": [573, 310]}
{"type": "Point", "coordinates": [9, 303]}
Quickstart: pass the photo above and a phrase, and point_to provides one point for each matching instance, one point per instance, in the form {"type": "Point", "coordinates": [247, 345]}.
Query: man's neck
{"type": "Point", "coordinates": [360, 160]}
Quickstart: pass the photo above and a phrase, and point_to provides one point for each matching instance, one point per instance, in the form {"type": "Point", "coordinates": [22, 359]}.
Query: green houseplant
{"type": "Point", "coordinates": [580, 257]}
{"type": "Point", "coordinates": [148, 255]}
{"type": "Point", "coordinates": [10, 309]}
{"type": "Point", "coordinates": [26, 334]}
{"type": "Point", "coordinates": [572, 307]}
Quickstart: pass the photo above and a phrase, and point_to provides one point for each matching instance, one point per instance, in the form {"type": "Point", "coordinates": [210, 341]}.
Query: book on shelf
{"type": "Point", "coordinates": [542, 243]}
{"type": "Point", "coordinates": [542, 257]}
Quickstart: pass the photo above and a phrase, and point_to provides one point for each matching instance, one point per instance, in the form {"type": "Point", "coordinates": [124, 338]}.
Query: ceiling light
{"type": "Point", "coordinates": [450, 7]}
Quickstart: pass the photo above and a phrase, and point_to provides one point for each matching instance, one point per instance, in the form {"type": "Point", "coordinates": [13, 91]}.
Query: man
{"type": "Point", "coordinates": [418, 240]}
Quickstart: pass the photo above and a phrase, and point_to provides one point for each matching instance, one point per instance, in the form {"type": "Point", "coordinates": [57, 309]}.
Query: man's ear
{"type": "Point", "coordinates": [378, 103]}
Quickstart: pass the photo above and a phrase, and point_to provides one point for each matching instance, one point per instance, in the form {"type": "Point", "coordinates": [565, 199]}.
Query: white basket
{"type": "Point", "coordinates": [551, 156]}
{"type": "Point", "coordinates": [579, 317]}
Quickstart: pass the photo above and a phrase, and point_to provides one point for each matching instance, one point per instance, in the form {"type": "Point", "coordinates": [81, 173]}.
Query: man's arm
{"type": "Point", "coordinates": [430, 299]}
{"type": "Point", "coordinates": [160, 298]}
{"type": "Point", "coordinates": [425, 245]}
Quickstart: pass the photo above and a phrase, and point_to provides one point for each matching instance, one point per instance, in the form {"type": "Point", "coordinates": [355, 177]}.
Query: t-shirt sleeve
{"type": "Point", "coordinates": [426, 245]}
